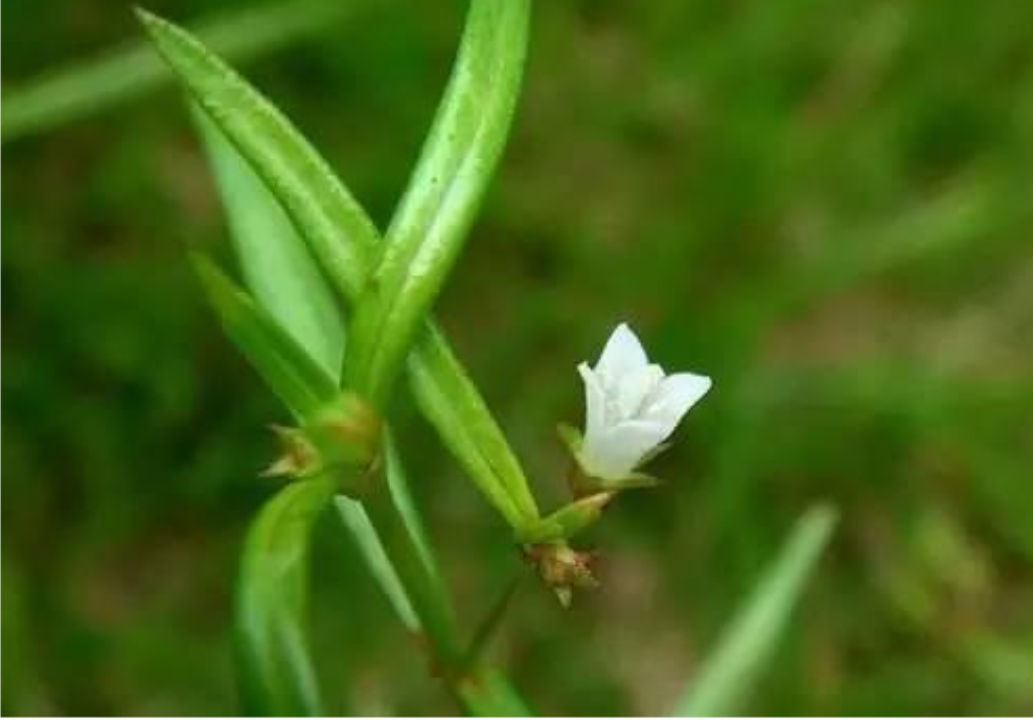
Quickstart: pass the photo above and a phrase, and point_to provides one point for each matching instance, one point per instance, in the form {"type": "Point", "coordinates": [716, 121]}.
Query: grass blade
{"type": "Point", "coordinates": [84, 89]}
{"type": "Point", "coordinates": [731, 671]}
{"type": "Point", "coordinates": [345, 250]}
{"type": "Point", "coordinates": [444, 194]}
{"type": "Point", "coordinates": [290, 373]}
{"type": "Point", "coordinates": [277, 677]}
{"type": "Point", "coordinates": [276, 264]}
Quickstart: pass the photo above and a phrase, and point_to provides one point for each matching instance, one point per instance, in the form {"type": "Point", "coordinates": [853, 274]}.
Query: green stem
{"type": "Point", "coordinates": [492, 622]}
{"type": "Point", "coordinates": [477, 688]}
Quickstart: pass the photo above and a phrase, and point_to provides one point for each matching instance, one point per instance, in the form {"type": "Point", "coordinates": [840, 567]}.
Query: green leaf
{"type": "Point", "coordinates": [276, 264]}
{"type": "Point", "coordinates": [731, 671]}
{"type": "Point", "coordinates": [288, 370]}
{"type": "Point", "coordinates": [277, 677]}
{"type": "Point", "coordinates": [401, 496]}
{"type": "Point", "coordinates": [354, 516]}
{"type": "Point", "coordinates": [284, 161]}
{"type": "Point", "coordinates": [89, 87]}
{"type": "Point", "coordinates": [453, 405]}
{"type": "Point", "coordinates": [569, 520]}
{"type": "Point", "coordinates": [322, 209]}
{"type": "Point", "coordinates": [444, 194]}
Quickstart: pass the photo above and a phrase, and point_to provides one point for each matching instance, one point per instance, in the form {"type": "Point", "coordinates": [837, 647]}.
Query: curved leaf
{"type": "Point", "coordinates": [276, 264]}
{"type": "Point", "coordinates": [287, 369]}
{"type": "Point", "coordinates": [277, 677]}
{"type": "Point", "coordinates": [453, 405]}
{"type": "Point", "coordinates": [321, 207]}
{"type": "Point", "coordinates": [728, 675]}
{"type": "Point", "coordinates": [444, 193]}
{"type": "Point", "coordinates": [445, 394]}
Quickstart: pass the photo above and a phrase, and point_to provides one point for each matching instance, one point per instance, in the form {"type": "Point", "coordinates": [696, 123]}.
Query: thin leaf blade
{"type": "Point", "coordinates": [321, 207]}
{"type": "Point", "coordinates": [355, 518]}
{"type": "Point", "coordinates": [433, 219]}
{"type": "Point", "coordinates": [277, 266]}
{"type": "Point", "coordinates": [745, 647]}
{"type": "Point", "coordinates": [451, 402]}
{"type": "Point", "coordinates": [92, 86]}
{"type": "Point", "coordinates": [292, 375]}
{"type": "Point", "coordinates": [357, 522]}
{"type": "Point", "coordinates": [277, 676]}
{"type": "Point", "coordinates": [465, 423]}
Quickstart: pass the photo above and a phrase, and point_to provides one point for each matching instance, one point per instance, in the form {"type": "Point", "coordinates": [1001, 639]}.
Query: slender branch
{"type": "Point", "coordinates": [493, 621]}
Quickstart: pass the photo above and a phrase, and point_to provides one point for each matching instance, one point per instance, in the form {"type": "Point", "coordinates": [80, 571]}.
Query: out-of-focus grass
{"type": "Point", "coordinates": [825, 206]}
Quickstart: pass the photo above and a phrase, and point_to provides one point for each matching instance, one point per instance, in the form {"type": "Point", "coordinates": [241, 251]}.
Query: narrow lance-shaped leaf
{"type": "Point", "coordinates": [277, 677]}
{"type": "Point", "coordinates": [357, 520]}
{"type": "Point", "coordinates": [277, 267]}
{"type": "Point", "coordinates": [354, 517]}
{"type": "Point", "coordinates": [92, 86]}
{"type": "Point", "coordinates": [444, 194]}
{"type": "Point", "coordinates": [730, 672]}
{"type": "Point", "coordinates": [271, 248]}
{"type": "Point", "coordinates": [322, 208]}
{"type": "Point", "coordinates": [453, 405]}
{"type": "Point", "coordinates": [486, 692]}
{"type": "Point", "coordinates": [287, 369]}
{"type": "Point", "coordinates": [282, 158]}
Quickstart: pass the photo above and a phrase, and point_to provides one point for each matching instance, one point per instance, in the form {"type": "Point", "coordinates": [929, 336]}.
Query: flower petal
{"type": "Point", "coordinates": [623, 353]}
{"type": "Point", "coordinates": [672, 398]}
{"type": "Point", "coordinates": [595, 402]}
{"type": "Point", "coordinates": [631, 390]}
{"type": "Point", "coordinates": [614, 453]}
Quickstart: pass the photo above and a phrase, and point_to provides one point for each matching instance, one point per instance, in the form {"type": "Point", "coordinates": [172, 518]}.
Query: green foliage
{"type": "Point", "coordinates": [823, 205]}
{"type": "Point", "coordinates": [85, 89]}
{"type": "Point", "coordinates": [723, 684]}
{"type": "Point", "coordinates": [343, 239]}
{"type": "Point", "coordinates": [451, 402]}
{"type": "Point", "coordinates": [386, 525]}
{"type": "Point", "coordinates": [276, 673]}
{"type": "Point", "coordinates": [276, 263]}
{"type": "Point", "coordinates": [444, 193]}
{"type": "Point", "coordinates": [321, 207]}
{"type": "Point", "coordinates": [287, 369]}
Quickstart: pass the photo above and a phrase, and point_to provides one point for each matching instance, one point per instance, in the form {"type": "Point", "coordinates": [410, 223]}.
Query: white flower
{"type": "Point", "coordinates": [632, 406]}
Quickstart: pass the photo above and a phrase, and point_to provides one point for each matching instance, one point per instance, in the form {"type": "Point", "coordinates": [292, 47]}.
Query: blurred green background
{"type": "Point", "coordinates": [824, 205]}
